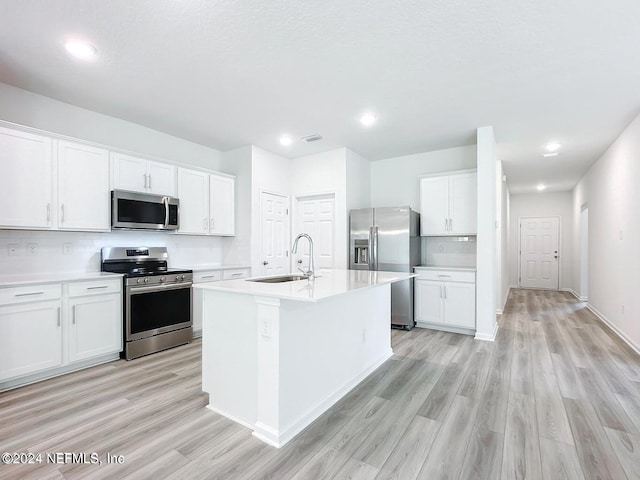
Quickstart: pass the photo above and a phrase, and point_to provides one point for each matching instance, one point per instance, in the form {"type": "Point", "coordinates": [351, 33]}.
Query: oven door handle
{"type": "Point", "coordinates": [133, 290]}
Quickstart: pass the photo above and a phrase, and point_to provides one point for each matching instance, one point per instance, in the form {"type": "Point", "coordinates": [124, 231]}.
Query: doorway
{"type": "Point", "coordinates": [315, 215]}
{"type": "Point", "coordinates": [584, 254]}
{"type": "Point", "coordinates": [274, 223]}
{"type": "Point", "coordinates": [539, 252]}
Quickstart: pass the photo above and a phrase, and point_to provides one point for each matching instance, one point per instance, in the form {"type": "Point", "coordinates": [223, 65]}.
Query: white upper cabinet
{"type": "Point", "coordinates": [222, 205]}
{"type": "Point", "coordinates": [139, 175]}
{"type": "Point", "coordinates": [83, 187]}
{"type": "Point", "coordinates": [193, 192]}
{"type": "Point", "coordinates": [26, 180]}
{"type": "Point", "coordinates": [448, 204]}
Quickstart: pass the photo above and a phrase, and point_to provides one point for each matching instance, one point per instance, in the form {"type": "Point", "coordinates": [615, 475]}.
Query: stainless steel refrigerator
{"type": "Point", "coordinates": [387, 239]}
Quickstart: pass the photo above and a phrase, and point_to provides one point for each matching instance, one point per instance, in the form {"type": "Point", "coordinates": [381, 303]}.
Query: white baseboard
{"type": "Point", "coordinates": [446, 328]}
{"type": "Point", "coordinates": [231, 417]}
{"type": "Point", "coordinates": [488, 337]}
{"type": "Point", "coordinates": [615, 329]}
{"type": "Point", "coordinates": [575, 294]}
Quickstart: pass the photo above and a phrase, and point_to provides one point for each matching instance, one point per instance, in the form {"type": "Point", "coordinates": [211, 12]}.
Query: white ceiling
{"type": "Point", "coordinates": [228, 73]}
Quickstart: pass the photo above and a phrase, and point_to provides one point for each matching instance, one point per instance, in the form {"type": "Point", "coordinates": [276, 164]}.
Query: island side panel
{"type": "Point", "coordinates": [229, 355]}
{"type": "Point", "coordinates": [326, 349]}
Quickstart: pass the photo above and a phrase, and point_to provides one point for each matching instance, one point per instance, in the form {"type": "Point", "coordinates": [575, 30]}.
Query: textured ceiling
{"type": "Point", "coordinates": [230, 73]}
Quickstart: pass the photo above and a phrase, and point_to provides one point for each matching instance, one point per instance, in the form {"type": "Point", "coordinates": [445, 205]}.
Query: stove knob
{"type": "Point", "coordinates": [139, 280]}
{"type": "Point", "coordinates": [146, 280]}
{"type": "Point", "coordinates": [161, 279]}
{"type": "Point", "coordinates": [177, 278]}
{"type": "Point", "coordinates": [181, 277]}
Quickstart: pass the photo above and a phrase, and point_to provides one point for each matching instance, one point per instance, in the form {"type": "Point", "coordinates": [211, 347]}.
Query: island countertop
{"type": "Point", "coordinates": [328, 283]}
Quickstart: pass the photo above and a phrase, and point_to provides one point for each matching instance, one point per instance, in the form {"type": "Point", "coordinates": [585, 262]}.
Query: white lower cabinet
{"type": "Point", "coordinates": [49, 329]}
{"type": "Point", "coordinates": [31, 338]}
{"type": "Point", "coordinates": [96, 326]}
{"type": "Point", "coordinates": [445, 299]}
{"type": "Point", "coordinates": [210, 276]}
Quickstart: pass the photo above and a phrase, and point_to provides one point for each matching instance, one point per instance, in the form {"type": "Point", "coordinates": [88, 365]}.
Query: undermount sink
{"type": "Point", "coordinates": [278, 279]}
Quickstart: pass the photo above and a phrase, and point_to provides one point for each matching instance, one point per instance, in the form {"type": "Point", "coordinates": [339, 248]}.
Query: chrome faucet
{"type": "Point", "coordinates": [309, 273]}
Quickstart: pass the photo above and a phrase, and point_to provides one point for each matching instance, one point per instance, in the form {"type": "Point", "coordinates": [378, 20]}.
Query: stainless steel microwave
{"type": "Point", "coordinates": [144, 211]}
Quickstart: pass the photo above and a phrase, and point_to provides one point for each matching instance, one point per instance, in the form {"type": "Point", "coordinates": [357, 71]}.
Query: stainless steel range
{"type": "Point", "coordinates": [157, 308]}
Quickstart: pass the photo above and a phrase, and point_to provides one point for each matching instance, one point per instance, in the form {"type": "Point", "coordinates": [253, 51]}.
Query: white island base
{"type": "Point", "coordinates": [276, 356]}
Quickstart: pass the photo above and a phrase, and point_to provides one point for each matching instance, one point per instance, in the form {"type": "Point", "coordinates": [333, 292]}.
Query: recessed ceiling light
{"type": "Point", "coordinates": [81, 50]}
{"type": "Point", "coordinates": [368, 119]}
{"type": "Point", "coordinates": [554, 154]}
{"type": "Point", "coordinates": [286, 140]}
{"type": "Point", "coordinates": [553, 146]}
{"type": "Point", "coordinates": [541, 187]}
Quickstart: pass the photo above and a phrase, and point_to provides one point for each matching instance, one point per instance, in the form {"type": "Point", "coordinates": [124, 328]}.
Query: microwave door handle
{"type": "Point", "coordinates": [165, 200]}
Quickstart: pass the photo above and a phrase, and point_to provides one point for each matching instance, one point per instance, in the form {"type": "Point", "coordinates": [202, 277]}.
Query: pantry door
{"type": "Point", "coordinates": [274, 211]}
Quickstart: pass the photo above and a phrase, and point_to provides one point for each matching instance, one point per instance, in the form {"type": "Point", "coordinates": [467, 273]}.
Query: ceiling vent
{"type": "Point", "coordinates": [311, 138]}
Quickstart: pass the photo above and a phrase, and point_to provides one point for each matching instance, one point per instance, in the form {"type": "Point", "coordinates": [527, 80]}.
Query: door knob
{"type": "Point", "coordinates": [299, 260]}
{"type": "Point", "coordinates": [265, 263]}
{"type": "Point", "coordinates": [556, 256]}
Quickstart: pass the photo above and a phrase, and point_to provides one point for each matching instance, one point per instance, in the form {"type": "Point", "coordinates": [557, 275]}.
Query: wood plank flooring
{"type": "Point", "coordinates": [556, 396]}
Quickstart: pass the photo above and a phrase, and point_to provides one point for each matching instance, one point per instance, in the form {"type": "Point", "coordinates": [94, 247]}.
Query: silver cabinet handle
{"type": "Point", "coordinates": [236, 274]}
{"type": "Point", "coordinates": [149, 181]}
{"type": "Point", "coordinates": [211, 224]}
{"type": "Point", "coordinates": [62, 213]}
{"type": "Point", "coordinates": [205, 227]}
{"type": "Point", "coordinates": [59, 318]}
{"type": "Point", "coordinates": [208, 276]}
{"type": "Point", "coordinates": [27, 294]}
{"type": "Point", "coordinates": [97, 288]}
{"type": "Point", "coordinates": [445, 292]}
{"type": "Point", "coordinates": [446, 225]}
{"type": "Point", "coordinates": [73, 315]}
{"type": "Point", "coordinates": [447, 276]}
{"type": "Point", "coordinates": [451, 224]}
{"type": "Point", "coordinates": [441, 295]}
{"type": "Point", "coordinates": [48, 212]}
{"type": "Point", "coordinates": [145, 179]}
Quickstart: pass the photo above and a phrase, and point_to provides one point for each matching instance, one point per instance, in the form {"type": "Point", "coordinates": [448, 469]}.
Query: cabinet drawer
{"type": "Point", "coordinates": [211, 276]}
{"type": "Point", "coordinates": [239, 273]}
{"type": "Point", "coordinates": [95, 287]}
{"type": "Point", "coordinates": [31, 293]}
{"type": "Point", "coordinates": [446, 275]}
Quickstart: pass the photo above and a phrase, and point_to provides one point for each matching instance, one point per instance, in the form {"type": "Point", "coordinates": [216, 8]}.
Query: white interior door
{"type": "Point", "coordinates": [539, 252]}
{"type": "Point", "coordinates": [275, 233]}
{"type": "Point", "coordinates": [315, 215]}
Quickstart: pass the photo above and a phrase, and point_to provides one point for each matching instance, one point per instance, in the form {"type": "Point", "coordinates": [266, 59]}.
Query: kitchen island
{"type": "Point", "coordinates": [275, 356]}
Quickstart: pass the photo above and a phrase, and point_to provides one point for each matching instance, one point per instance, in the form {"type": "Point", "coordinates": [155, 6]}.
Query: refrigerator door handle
{"type": "Point", "coordinates": [370, 259]}
{"type": "Point", "coordinates": [374, 251]}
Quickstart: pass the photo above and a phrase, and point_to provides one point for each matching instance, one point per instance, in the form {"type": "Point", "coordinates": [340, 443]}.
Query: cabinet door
{"type": "Point", "coordinates": [463, 190]}
{"type": "Point", "coordinates": [460, 304]}
{"type": "Point", "coordinates": [129, 173]}
{"type": "Point", "coordinates": [434, 206]}
{"type": "Point", "coordinates": [26, 180]}
{"type": "Point", "coordinates": [83, 187]}
{"type": "Point", "coordinates": [161, 179]}
{"type": "Point", "coordinates": [429, 301]}
{"type": "Point", "coordinates": [31, 338]}
{"type": "Point", "coordinates": [222, 205]}
{"type": "Point", "coordinates": [95, 326]}
{"type": "Point", "coordinates": [193, 192]}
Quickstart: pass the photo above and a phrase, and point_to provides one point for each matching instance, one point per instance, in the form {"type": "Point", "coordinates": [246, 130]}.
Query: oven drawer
{"type": "Point", "coordinates": [233, 274]}
{"type": "Point", "coordinates": [31, 293]}
{"type": "Point", "coordinates": [95, 287]}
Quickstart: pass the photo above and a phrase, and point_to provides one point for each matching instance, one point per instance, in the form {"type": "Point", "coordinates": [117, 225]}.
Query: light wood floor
{"type": "Point", "coordinates": [556, 396]}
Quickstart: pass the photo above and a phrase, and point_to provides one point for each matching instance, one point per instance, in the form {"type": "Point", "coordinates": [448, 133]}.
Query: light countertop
{"type": "Point", "coordinates": [53, 277]}
{"type": "Point", "coordinates": [440, 267]}
{"type": "Point", "coordinates": [328, 283]}
{"type": "Point", "coordinates": [203, 267]}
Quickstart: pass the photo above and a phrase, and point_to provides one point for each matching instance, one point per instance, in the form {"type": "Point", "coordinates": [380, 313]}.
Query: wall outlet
{"type": "Point", "coordinates": [32, 249]}
{"type": "Point", "coordinates": [13, 249]}
{"type": "Point", "coordinates": [266, 328]}
{"type": "Point", "coordinates": [67, 248]}
{"type": "Point", "coordinates": [441, 247]}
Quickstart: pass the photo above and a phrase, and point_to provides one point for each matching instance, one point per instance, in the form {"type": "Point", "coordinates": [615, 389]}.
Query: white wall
{"type": "Point", "coordinates": [553, 204]}
{"type": "Point", "coordinates": [502, 238]}
{"type": "Point", "coordinates": [269, 173]}
{"type": "Point", "coordinates": [610, 189]}
{"type": "Point", "coordinates": [32, 110]}
{"type": "Point", "coordinates": [358, 181]}
{"type": "Point", "coordinates": [237, 250]}
{"type": "Point", "coordinates": [487, 275]}
{"type": "Point", "coordinates": [395, 181]}
{"type": "Point", "coordinates": [323, 173]}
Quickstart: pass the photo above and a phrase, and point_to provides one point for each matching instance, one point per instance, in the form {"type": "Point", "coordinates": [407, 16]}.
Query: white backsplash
{"type": "Point", "coordinates": [449, 251]}
{"type": "Point", "coordinates": [80, 251]}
